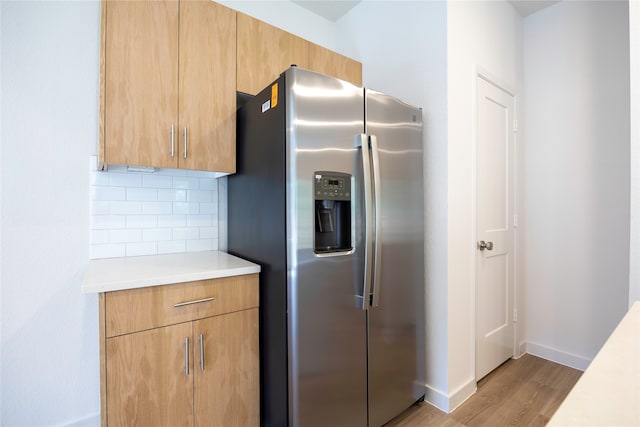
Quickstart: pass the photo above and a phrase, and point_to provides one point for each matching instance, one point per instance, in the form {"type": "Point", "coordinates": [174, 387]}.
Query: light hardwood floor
{"type": "Point", "coordinates": [521, 392]}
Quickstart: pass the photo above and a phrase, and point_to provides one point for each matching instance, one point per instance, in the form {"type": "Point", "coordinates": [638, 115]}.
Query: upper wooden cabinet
{"type": "Point", "coordinates": [265, 51]}
{"type": "Point", "coordinates": [168, 84]}
{"type": "Point", "coordinates": [328, 62]}
{"type": "Point", "coordinates": [207, 74]}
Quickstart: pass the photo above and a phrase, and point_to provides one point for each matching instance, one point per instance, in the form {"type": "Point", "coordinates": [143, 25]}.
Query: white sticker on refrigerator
{"type": "Point", "coordinates": [266, 105]}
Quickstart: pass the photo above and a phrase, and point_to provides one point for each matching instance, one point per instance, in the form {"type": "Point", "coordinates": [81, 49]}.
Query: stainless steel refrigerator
{"type": "Point", "coordinates": [328, 199]}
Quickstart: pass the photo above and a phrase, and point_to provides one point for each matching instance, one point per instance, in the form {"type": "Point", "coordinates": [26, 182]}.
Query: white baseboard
{"type": "Point", "coordinates": [558, 356]}
{"type": "Point", "coordinates": [436, 398]}
{"type": "Point", "coordinates": [449, 402]}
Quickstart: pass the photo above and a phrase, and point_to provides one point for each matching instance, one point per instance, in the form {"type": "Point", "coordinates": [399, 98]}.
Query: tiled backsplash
{"type": "Point", "coordinates": [147, 213]}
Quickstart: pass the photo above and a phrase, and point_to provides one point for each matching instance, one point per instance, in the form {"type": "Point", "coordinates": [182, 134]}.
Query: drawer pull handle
{"type": "Point", "coordinates": [201, 352]}
{"type": "Point", "coordinates": [186, 356]}
{"type": "Point", "coordinates": [180, 304]}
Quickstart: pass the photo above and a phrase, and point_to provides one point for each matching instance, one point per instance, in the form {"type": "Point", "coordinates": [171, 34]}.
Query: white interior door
{"type": "Point", "coordinates": [494, 227]}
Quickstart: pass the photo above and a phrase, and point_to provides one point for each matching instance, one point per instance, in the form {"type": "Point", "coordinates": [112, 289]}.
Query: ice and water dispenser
{"type": "Point", "coordinates": [332, 192]}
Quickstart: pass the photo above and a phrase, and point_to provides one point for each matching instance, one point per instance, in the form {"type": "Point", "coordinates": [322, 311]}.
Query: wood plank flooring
{"type": "Point", "coordinates": [521, 392]}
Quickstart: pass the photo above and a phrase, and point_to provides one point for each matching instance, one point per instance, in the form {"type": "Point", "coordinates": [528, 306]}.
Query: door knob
{"type": "Point", "coordinates": [482, 245]}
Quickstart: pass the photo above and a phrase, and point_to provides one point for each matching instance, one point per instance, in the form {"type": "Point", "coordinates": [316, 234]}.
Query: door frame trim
{"type": "Point", "coordinates": [493, 79]}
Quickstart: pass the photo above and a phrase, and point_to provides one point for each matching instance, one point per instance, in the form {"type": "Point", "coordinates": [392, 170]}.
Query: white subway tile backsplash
{"type": "Point", "coordinates": [142, 194]}
{"type": "Point", "coordinates": [157, 208]}
{"type": "Point", "coordinates": [99, 237]}
{"type": "Point", "coordinates": [100, 207]}
{"type": "Point", "coordinates": [199, 220]}
{"type": "Point", "coordinates": [186, 233]}
{"type": "Point", "coordinates": [125, 179]}
{"type": "Point", "coordinates": [209, 184]}
{"type": "Point", "coordinates": [99, 178]}
{"type": "Point", "coordinates": [138, 213]}
{"type": "Point", "coordinates": [172, 220]}
{"type": "Point", "coordinates": [125, 208]}
{"type": "Point", "coordinates": [107, 251]}
{"type": "Point", "coordinates": [172, 195]}
{"type": "Point", "coordinates": [157, 181]}
{"type": "Point", "coordinates": [107, 222]}
{"type": "Point", "coordinates": [199, 245]}
{"type": "Point", "coordinates": [138, 249]}
{"type": "Point", "coordinates": [209, 208]}
{"type": "Point", "coordinates": [186, 182]}
{"type": "Point", "coordinates": [186, 208]}
{"type": "Point", "coordinates": [201, 196]}
{"type": "Point", "coordinates": [157, 234]}
{"type": "Point", "coordinates": [108, 193]}
{"type": "Point", "coordinates": [208, 232]}
{"type": "Point", "coordinates": [172, 247]}
{"type": "Point", "coordinates": [125, 236]}
{"type": "Point", "coordinates": [142, 221]}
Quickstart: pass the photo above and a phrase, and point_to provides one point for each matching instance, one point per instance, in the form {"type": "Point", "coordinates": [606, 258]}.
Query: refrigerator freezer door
{"type": "Point", "coordinates": [396, 324]}
{"type": "Point", "coordinates": [327, 333]}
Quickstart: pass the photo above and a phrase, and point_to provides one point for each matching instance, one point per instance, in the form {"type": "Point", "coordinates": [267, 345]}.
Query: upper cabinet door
{"type": "Point", "coordinates": [207, 87]}
{"type": "Point", "coordinates": [264, 52]}
{"type": "Point", "coordinates": [333, 64]}
{"type": "Point", "coordinates": [140, 81]}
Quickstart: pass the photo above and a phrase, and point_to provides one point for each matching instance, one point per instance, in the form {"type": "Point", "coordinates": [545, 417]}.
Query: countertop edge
{"type": "Point", "coordinates": [115, 274]}
{"type": "Point", "coordinates": [608, 391]}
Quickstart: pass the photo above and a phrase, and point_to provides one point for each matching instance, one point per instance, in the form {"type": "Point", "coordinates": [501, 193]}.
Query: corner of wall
{"type": "Point", "coordinates": [449, 402]}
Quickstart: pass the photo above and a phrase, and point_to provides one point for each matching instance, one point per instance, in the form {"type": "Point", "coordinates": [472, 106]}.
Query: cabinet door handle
{"type": "Point", "coordinates": [186, 356]}
{"type": "Point", "coordinates": [197, 301]}
{"type": "Point", "coordinates": [201, 352]}
{"type": "Point", "coordinates": [184, 135]}
{"type": "Point", "coordinates": [173, 143]}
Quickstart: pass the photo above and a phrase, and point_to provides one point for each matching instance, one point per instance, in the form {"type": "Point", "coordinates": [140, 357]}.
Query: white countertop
{"type": "Point", "coordinates": [608, 392]}
{"type": "Point", "coordinates": [113, 274]}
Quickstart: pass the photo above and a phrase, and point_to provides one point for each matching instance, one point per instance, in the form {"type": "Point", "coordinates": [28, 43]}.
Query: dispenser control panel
{"type": "Point", "coordinates": [332, 203]}
{"type": "Point", "coordinates": [332, 186]}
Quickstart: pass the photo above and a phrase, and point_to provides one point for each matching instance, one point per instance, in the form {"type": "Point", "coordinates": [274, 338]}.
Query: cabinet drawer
{"type": "Point", "coordinates": [145, 308]}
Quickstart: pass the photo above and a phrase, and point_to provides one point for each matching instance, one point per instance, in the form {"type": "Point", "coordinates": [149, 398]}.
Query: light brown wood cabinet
{"type": "Point", "coordinates": [167, 84]}
{"type": "Point", "coordinates": [177, 354]}
{"type": "Point", "coordinates": [328, 62]}
{"type": "Point", "coordinates": [265, 51]}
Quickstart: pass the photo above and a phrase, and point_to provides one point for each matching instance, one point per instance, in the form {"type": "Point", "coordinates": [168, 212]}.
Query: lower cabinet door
{"type": "Point", "coordinates": [227, 372]}
{"type": "Point", "coordinates": [150, 377]}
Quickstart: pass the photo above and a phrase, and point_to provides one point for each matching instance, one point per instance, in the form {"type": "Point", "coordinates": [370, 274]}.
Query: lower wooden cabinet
{"type": "Point", "coordinates": [202, 371]}
{"type": "Point", "coordinates": [227, 379]}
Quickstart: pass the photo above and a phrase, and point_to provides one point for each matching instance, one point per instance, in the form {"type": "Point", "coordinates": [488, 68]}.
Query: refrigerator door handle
{"type": "Point", "coordinates": [362, 142]}
{"type": "Point", "coordinates": [377, 241]}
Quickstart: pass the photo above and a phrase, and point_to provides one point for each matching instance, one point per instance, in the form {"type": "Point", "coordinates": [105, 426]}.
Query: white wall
{"type": "Point", "coordinates": [426, 53]}
{"type": "Point", "coordinates": [634, 48]}
{"type": "Point", "coordinates": [402, 46]}
{"type": "Point", "coordinates": [49, 125]}
{"type": "Point", "coordinates": [48, 128]}
{"type": "Point", "coordinates": [577, 177]}
{"type": "Point", "coordinates": [1, 214]}
{"type": "Point", "coordinates": [489, 35]}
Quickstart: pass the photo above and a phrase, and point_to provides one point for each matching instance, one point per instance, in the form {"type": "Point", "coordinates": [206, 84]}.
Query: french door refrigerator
{"type": "Point", "coordinates": [328, 199]}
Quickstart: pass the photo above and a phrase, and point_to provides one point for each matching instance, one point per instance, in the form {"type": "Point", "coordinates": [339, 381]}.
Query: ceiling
{"type": "Point", "coordinates": [527, 7]}
{"type": "Point", "coordinates": [335, 9]}
{"type": "Point", "coordinates": [330, 9]}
